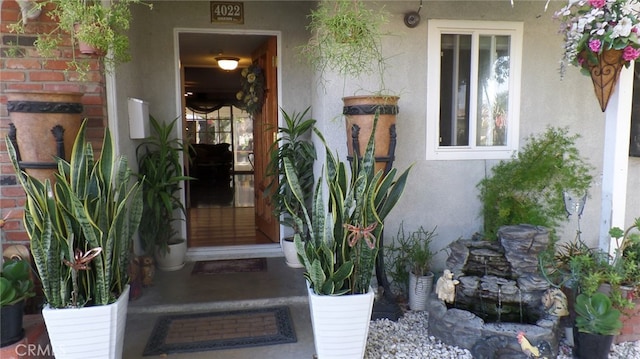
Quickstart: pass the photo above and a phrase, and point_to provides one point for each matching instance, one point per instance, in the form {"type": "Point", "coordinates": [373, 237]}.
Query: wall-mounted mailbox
{"type": "Point", "coordinates": [138, 118]}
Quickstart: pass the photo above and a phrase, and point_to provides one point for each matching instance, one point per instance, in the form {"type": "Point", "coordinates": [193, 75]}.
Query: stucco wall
{"type": "Point", "coordinates": [443, 193]}
{"type": "Point", "coordinates": [439, 193]}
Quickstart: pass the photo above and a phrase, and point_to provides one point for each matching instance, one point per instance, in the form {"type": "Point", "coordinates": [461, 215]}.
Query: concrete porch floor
{"type": "Point", "coordinates": [180, 292]}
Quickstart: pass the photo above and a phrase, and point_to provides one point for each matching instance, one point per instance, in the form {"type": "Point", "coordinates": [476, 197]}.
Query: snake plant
{"type": "Point", "coordinates": [81, 228]}
{"type": "Point", "coordinates": [340, 252]}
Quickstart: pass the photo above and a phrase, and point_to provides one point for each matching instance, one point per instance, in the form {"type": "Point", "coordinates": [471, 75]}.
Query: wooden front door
{"type": "Point", "coordinates": [265, 124]}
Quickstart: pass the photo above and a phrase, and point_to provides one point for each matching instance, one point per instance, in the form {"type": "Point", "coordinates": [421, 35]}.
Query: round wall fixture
{"type": "Point", "coordinates": [412, 19]}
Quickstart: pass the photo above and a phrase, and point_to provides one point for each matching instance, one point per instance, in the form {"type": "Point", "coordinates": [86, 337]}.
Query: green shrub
{"type": "Point", "coordinates": [529, 188]}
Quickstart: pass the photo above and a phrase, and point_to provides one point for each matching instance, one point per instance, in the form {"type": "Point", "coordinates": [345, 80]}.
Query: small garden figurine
{"type": "Point", "coordinates": [555, 302]}
{"type": "Point", "coordinates": [446, 287]}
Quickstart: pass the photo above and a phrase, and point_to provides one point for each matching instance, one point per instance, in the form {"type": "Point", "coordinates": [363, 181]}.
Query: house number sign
{"type": "Point", "coordinates": [227, 12]}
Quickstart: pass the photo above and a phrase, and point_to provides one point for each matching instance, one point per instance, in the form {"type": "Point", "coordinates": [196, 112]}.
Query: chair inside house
{"type": "Point", "coordinates": [212, 161]}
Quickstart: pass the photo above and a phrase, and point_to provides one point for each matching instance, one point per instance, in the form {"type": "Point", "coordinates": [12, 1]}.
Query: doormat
{"type": "Point", "coordinates": [186, 333]}
{"type": "Point", "coordinates": [230, 266]}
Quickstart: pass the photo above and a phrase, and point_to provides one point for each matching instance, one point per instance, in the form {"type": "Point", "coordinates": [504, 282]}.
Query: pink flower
{"type": "Point", "coordinates": [630, 54]}
{"type": "Point", "coordinates": [597, 3]}
{"type": "Point", "coordinates": [594, 45]}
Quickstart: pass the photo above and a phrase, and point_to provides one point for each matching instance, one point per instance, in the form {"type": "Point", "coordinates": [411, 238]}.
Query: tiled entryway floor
{"type": "Point", "coordinates": [181, 292]}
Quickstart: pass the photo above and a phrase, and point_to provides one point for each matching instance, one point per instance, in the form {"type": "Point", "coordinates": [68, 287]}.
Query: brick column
{"type": "Point", "coordinates": [22, 68]}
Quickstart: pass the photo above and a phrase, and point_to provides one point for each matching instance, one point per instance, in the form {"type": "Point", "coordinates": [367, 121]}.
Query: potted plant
{"type": "Point", "coordinates": [346, 39]}
{"type": "Point", "coordinates": [626, 266]}
{"type": "Point", "coordinates": [95, 27]}
{"type": "Point", "coordinates": [597, 322]}
{"type": "Point", "coordinates": [410, 261]}
{"type": "Point", "coordinates": [81, 236]}
{"type": "Point", "coordinates": [160, 172]}
{"type": "Point", "coordinates": [420, 275]}
{"type": "Point", "coordinates": [342, 245]}
{"type": "Point", "coordinates": [16, 286]}
{"type": "Point", "coordinates": [293, 143]}
{"type": "Point", "coordinates": [599, 35]}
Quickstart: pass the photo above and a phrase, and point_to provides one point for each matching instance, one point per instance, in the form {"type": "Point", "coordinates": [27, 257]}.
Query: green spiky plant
{"type": "Point", "coordinates": [343, 242]}
{"type": "Point", "coordinates": [81, 228]}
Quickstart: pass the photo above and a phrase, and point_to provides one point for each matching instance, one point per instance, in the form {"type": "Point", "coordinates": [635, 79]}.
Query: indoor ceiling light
{"type": "Point", "coordinates": [227, 63]}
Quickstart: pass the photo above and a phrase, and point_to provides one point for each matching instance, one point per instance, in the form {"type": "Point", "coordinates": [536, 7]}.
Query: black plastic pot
{"type": "Point", "coordinates": [591, 346]}
{"type": "Point", "coordinates": [11, 323]}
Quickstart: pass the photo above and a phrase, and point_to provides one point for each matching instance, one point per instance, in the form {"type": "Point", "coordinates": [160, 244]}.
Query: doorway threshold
{"type": "Point", "coordinates": [234, 252]}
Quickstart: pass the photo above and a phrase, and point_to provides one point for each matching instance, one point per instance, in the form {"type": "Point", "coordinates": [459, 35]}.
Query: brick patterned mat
{"type": "Point", "coordinates": [230, 266]}
{"type": "Point", "coordinates": [186, 333]}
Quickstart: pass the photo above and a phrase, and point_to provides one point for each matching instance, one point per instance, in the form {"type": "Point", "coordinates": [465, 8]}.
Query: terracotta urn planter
{"type": "Point", "coordinates": [360, 112]}
{"type": "Point", "coordinates": [43, 125]}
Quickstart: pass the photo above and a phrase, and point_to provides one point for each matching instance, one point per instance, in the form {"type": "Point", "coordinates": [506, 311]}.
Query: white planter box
{"type": "Point", "coordinates": [340, 324]}
{"type": "Point", "coordinates": [91, 332]}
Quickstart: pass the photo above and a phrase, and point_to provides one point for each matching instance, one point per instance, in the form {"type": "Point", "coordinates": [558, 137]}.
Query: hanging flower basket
{"type": "Point", "coordinates": [604, 73]}
{"type": "Point", "coordinates": [600, 36]}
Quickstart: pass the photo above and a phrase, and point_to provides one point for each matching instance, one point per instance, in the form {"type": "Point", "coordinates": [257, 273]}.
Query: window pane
{"type": "Point", "coordinates": [493, 90]}
{"type": "Point", "coordinates": [454, 89]}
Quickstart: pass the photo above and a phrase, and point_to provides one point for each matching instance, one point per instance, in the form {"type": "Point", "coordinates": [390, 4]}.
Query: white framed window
{"type": "Point", "coordinates": [473, 89]}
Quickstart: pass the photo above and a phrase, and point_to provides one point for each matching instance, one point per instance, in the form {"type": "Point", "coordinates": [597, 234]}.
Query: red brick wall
{"type": "Point", "coordinates": [630, 324]}
{"type": "Point", "coordinates": [29, 71]}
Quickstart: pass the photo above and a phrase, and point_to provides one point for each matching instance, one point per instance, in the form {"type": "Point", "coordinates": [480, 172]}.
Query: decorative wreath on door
{"type": "Point", "coordinates": [252, 93]}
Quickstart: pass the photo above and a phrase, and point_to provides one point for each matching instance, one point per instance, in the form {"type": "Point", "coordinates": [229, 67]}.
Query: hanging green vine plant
{"type": "Point", "coordinates": [345, 38]}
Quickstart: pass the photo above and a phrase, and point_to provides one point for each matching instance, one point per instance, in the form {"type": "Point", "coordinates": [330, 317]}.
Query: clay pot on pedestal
{"type": "Point", "coordinates": [43, 125]}
{"type": "Point", "coordinates": [360, 112]}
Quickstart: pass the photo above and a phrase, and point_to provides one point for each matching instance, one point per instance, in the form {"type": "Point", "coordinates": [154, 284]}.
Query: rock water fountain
{"type": "Point", "coordinates": [499, 294]}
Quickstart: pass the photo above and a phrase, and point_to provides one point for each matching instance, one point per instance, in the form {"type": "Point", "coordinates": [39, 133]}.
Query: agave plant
{"type": "Point", "coordinates": [343, 242]}
{"type": "Point", "coordinates": [81, 228]}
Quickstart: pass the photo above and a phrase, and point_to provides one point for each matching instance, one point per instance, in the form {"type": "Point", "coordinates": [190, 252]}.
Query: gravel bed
{"type": "Point", "coordinates": [409, 338]}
